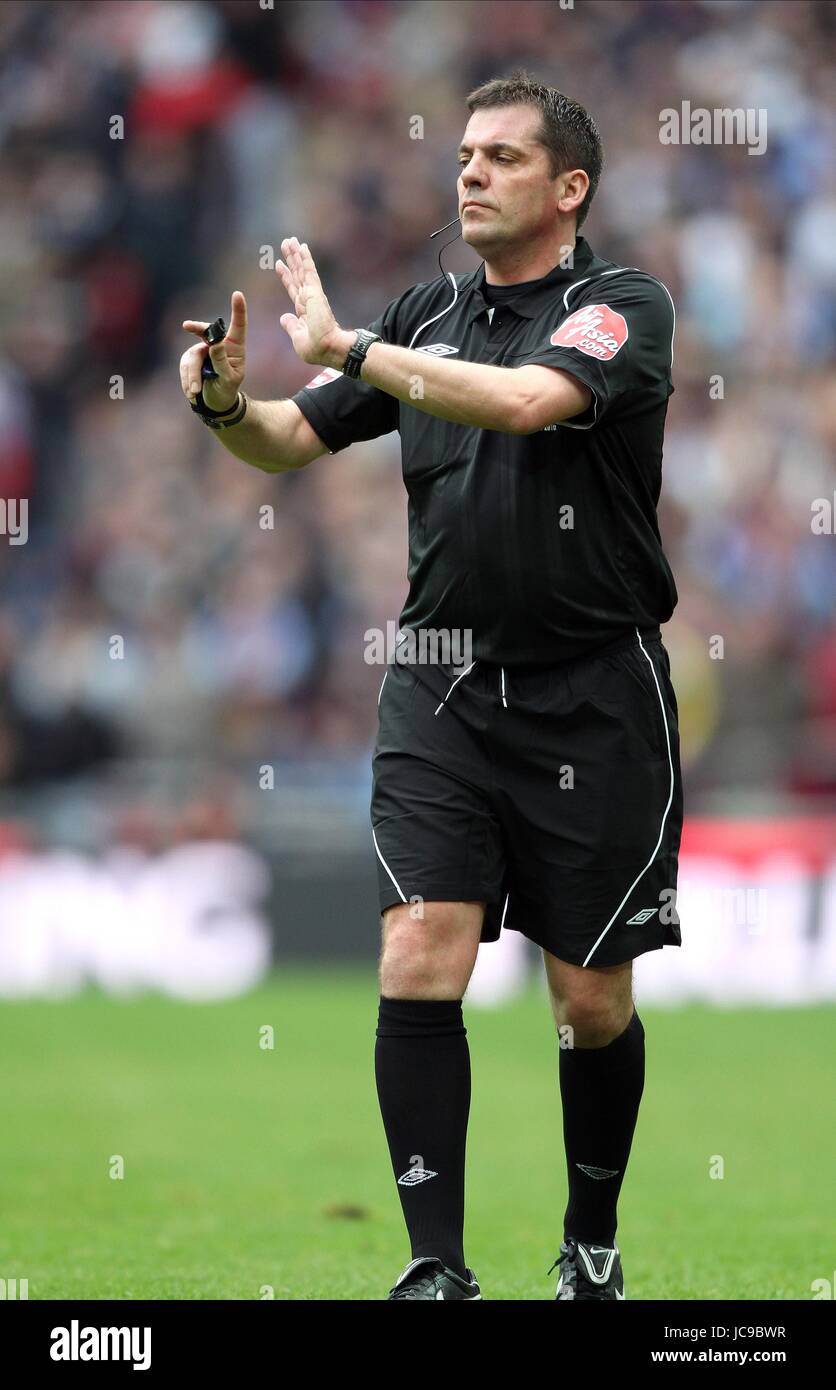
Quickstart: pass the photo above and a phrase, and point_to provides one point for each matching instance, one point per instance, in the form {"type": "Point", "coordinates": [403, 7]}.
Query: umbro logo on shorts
{"type": "Point", "coordinates": [438, 349]}
{"type": "Point", "coordinates": [415, 1175]}
{"type": "Point", "coordinates": [642, 917]}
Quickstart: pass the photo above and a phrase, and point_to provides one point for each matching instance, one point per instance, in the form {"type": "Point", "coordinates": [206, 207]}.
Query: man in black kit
{"type": "Point", "coordinates": [537, 785]}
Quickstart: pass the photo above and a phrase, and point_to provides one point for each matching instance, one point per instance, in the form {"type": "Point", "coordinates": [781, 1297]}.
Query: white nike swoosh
{"type": "Point", "coordinates": [620, 1295]}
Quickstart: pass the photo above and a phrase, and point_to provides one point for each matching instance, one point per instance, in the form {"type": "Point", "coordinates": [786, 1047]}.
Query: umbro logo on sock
{"type": "Point", "coordinates": [413, 1176]}
{"type": "Point", "coordinates": [592, 1172]}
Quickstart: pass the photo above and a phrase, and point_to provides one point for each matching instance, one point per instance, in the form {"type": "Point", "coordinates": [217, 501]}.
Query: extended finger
{"type": "Point", "coordinates": [289, 262]}
{"type": "Point", "coordinates": [309, 265]}
{"type": "Point", "coordinates": [237, 316]}
{"type": "Point", "coordinates": [289, 323]}
{"type": "Point", "coordinates": [195, 326]}
{"type": "Point", "coordinates": [296, 262]}
{"type": "Point", "coordinates": [294, 290]}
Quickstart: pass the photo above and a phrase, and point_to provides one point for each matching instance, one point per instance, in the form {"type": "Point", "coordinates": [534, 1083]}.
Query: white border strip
{"type": "Point", "coordinates": [443, 311]}
{"type": "Point", "coordinates": [386, 867]}
{"type": "Point", "coordinates": [568, 424]}
{"type": "Point", "coordinates": [664, 816]}
{"type": "Point", "coordinates": [622, 270]}
{"type": "Point", "coordinates": [453, 686]}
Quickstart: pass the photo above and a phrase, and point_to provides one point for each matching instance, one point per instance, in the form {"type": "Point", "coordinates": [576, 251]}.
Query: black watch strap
{"type": "Point", "coordinates": [357, 354]}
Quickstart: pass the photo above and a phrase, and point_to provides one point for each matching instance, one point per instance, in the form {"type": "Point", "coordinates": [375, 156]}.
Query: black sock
{"type": "Point", "coordinates": [601, 1088]}
{"type": "Point", "coordinates": [422, 1068]}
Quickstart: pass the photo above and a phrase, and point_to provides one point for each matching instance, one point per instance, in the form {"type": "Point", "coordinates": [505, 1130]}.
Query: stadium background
{"type": "Point", "coordinates": [144, 853]}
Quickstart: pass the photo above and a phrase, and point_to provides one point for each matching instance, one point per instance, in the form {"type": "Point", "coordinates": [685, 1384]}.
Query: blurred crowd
{"type": "Point", "coordinates": [175, 608]}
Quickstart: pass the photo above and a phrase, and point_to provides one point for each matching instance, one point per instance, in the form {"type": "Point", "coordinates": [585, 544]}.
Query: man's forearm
{"type": "Point", "coordinates": [467, 393]}
{"type": "Point", "coordinates": [263, 438]}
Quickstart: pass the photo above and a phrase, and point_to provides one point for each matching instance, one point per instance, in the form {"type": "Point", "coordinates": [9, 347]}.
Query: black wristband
{"type": "Point", "coordinates": [221, 419]}
{"type": "Point", "coordinates": [357, 354]}
{"type": "Point", "coordinates": [200, 407]}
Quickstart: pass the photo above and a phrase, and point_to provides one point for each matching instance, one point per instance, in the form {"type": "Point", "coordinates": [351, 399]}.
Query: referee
{"type": "Point", "coordinates": [536, 785]}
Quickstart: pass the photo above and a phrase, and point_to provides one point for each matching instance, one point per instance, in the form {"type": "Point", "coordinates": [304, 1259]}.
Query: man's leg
{"type": "Point", "coordinates": [601, 1084]}
{"type": "Point", "coordinates": [422, 1066]}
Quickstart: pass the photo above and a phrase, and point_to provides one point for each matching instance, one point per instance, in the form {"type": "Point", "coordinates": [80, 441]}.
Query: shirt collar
{"type": "Point", "coordinates": [530, 302]}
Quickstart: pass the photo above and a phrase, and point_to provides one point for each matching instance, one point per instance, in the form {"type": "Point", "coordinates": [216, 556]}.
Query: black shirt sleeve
{"type": "Point", "coordinates": [342, 410]}
{"type": "Point", "coordinates": [616, 337]}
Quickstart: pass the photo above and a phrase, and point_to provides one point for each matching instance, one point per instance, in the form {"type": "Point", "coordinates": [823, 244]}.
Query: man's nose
{"type": "Point", "coordinates": [473, 174]}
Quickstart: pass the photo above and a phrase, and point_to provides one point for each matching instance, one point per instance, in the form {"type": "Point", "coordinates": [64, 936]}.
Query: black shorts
{"type": "Point", "coordinates": [552, 795]}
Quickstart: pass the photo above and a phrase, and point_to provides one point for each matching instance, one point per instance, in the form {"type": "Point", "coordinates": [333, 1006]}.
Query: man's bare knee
{"type": "Point", "coordinates": [429, 950]}
{"type": "Point", "coordinates": [595, 1002]}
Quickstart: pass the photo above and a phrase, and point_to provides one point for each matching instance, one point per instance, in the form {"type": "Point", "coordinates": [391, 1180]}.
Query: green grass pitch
{"type": "Point", "coordinates": [247, 1167]}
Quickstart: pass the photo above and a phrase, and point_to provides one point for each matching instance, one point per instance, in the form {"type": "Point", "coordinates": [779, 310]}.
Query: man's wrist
{"type": "Point", "coordinates": [211, 407]}
{"type": "Point", "coordinates": [221, 419]}
{"type": "Point", "coordinates": [339, 349]}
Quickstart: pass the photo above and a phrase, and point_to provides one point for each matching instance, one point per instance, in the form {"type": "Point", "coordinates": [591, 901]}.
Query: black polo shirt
{"type": "Point", "coordinates": [544, 545]}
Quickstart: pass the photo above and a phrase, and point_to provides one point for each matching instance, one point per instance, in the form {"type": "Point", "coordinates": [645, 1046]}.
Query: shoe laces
{"type": "Point", "coordinates": [568, 1251]}
{"type": "Point", "coordinates": [416, 1288]}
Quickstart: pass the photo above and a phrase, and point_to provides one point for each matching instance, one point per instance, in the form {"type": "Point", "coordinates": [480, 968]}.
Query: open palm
{"type": "Point", "coordinates": [312, 327]}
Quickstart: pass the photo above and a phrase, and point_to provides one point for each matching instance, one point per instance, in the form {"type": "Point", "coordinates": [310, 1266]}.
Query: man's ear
{"type": "Point", "coordinates": [573, 188]}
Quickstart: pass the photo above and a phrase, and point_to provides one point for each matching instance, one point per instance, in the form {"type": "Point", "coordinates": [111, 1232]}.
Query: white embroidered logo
{"type": "Point", "coordinates": [413, 1176]}
{"type": "Point", "coordinates": [438, 349]}
{"type": "Point", "coordinates": [642, 917]}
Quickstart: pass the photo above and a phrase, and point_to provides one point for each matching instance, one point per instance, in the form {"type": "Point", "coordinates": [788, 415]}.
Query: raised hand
{"type": "Point", "coordinates": [228, 358]}
{"type": "Point", "coordinates": [312, 328]}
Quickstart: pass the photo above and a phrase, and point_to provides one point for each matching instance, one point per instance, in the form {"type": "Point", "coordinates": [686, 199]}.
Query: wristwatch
{"type": "Point", "coordinates": [220, 419]}
{"type": "Point", "coordinates": [357, 354]}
